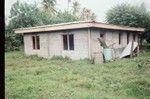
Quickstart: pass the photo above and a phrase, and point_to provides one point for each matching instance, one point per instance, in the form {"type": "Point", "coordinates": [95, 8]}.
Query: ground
{"type": "Point", "coordinates": [38, 78]}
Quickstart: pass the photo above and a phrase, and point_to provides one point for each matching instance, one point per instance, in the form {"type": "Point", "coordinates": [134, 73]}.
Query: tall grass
{"type": "Point", "coordinates": [32, 77]}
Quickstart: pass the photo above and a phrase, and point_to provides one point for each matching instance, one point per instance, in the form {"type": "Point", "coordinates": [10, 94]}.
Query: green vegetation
{"type": "Point", "coordinates": [32, 77]}
{"type": "Point", "coordinates": [126, 14]}
{"type": "Point", "coordinates": [23, 15]}
{"type": "Point", "coordinates": [135, 16]}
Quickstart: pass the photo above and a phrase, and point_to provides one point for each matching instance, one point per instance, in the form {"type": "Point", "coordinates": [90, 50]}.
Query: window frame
{"type": "Point", "coordinates": [33, 43]}
{"type": "Point", "coordinates": [102, 36]}
{"type": "Point", "coordinates": [71, 42]}
{"type": "Point", "coordinates": [65, 46]}
{"type": "Point", "coordinates": [128, 37]}
{"type": "Point", "coordinates": [120, 38]}
{"type": "Point", "coordinates": [36, 42]}
{"type": "Point", "coordinates": [68, 42]}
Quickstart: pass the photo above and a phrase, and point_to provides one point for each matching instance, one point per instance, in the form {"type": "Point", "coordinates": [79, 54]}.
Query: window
{"type": "Point", "coordinates": [65, 42]}
{"type": "Point", "coordinates": [71, 42]}
{"type": "Point", "coordinates": [68, 42]}
{"type": "Point", "coordinates": [120, 34]}
{"type": "Point", "coordinates": [33, 40]}
{"type": "Point", "coordinates": [128, 34]}
{"type": "Point", "coordinates": [36, 42]}
{"type": "Point", "coordinates": [102, 37]}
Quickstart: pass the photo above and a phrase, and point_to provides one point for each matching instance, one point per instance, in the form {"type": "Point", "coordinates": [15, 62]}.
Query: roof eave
{"type": "Point", "coordinates": [55, 28]}
{"type": "Point", "coordinates": [115, 27]}
{"type": "Point", "coordinates": [75, 25]}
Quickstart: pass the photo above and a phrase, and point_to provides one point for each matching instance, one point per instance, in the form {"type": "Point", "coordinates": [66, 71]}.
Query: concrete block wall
{"type": "Point", "coordinates": [51, 44]}
{"type": "Point", "coordinates": [55, 44]}
{"type": "Point", "coordinates": [43, 45]}
{"type": "Point", "coordinates": [96, 49]}
{"type": "Point", "coordinates": [80, 44]}
{"type": "Point", "coordinates": [124, 39]}
{"type": "Point", "coordinates": [28, 45]}
{"type": "Point", "coordinates": [113, 37]}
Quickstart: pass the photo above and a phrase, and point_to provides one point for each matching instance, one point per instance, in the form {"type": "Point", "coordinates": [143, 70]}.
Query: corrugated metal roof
{"type": "Point", "coordinates": [76, 25]}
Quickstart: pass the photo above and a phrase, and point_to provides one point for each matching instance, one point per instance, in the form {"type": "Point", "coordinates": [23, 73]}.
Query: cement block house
{"type": "Point", "coordinates": [77, 40]}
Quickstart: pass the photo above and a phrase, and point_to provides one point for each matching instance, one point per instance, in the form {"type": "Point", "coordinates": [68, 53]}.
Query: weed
{"type": "Point", "coordinates": [33, 77]}
{"type": "Point", "coordinates": [36, 57]}
{"type": "Point", "coordinates": [66, 58]}
{"type": "Point", "coordinates": [139, 88]}
{"type": "Point", "coordinates": [38, 72]}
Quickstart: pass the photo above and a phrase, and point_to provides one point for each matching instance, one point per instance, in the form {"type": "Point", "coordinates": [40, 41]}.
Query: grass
{"type": "Point", "coordinates": [31, 77]}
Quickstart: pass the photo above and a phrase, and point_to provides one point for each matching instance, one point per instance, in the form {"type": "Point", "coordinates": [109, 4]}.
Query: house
{"type": "Point", "coordinates": [77, 40]}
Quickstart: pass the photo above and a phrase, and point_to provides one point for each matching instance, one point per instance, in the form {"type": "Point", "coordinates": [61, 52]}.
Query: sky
{"type": "Point", "coordinates": [99, 7]}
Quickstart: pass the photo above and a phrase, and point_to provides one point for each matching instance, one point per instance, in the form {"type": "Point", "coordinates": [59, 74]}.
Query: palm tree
{"type": "Point", "coordinates": [49, 6]}
{"type": "Point", "coordinates": [76, 8]}
{"type": "Point", "coordinates": [93, 16]}
{"type": "Point", "coordinates": [14, 9]}
{"type": "Point", "coordinates": [82, 16]}
{"type": "Point", "coordinates": [87, 14]}
{"type": "Point", "coordinates": [69, 1]}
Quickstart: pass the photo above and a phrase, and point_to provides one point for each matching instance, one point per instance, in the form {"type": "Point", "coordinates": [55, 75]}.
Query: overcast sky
{"type": "Point", "coordinates": [99, 7]}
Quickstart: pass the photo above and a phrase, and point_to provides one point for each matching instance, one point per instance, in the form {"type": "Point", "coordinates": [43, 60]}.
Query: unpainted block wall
{"type": "Point", "coordinates": [80, 44]}
{"type": "Point", "coordinates": [51, 44]}
{"type": "Point", "coordinates": [112, 40]}
{"type": "Point", "coordinates": [28, 45]}
{"type": "Point", "coordinates": [96, 49]}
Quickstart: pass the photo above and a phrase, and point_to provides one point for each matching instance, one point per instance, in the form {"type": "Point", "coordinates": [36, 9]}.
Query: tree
{"type": "Point", "coordinates": [134, 16]}
{"type": "Point", "coordinates": [62, 17]}
{"type": "Point", "coordinates": [12, 41]}
{"type": "Point", "coordinates": [68, 1]}
{"type": "Point", "coordinates": [76, 8]}
{"type": "Point", "coordinates": [66, 17]}
{"type": "Point", "coordinates": [22, 15]}
{"type": "Point", "coordinates": [49, 6]}
{"type": "Point", "coordinates": [14, 9]}
{"type": "Point", "coordinates": [93, 16]}
{"type": "Point", "coordinates": [87, 14]}
{"type": "Point", "coordinates": [29, 15]}
{"type": "Point", "coordinates": [25, 15]}
{"type": "Point", "coordinates": [128, 15]}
